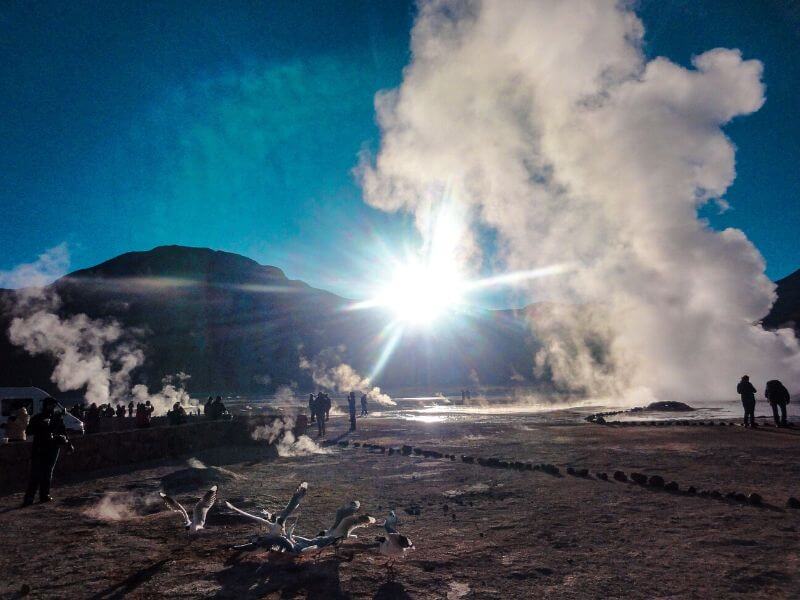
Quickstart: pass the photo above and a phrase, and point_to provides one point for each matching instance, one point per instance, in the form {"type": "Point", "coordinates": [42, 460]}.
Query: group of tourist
{"type": "Point", "coordinates": [775, 392]}
{"type": "Point", "coordinates": [215, 409]}
{"type": "Point", "coordinates": [91, 416]}
{"type": "Point", "coordinates": [319, 407]}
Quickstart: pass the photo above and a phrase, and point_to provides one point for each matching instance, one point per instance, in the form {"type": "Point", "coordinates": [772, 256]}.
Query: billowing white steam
{"type": "Point", "coordinates": [330, 372]}
{"type": "Point", "coordinates": [544, 121]}
{"type": "Point", "coordinates": [98, 354]}
{"type": "Point", "coordinates": [280, 432]}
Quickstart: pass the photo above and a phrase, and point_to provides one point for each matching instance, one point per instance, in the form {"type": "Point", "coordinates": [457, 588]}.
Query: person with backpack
{"type": "Point", "coordinates": [747, 392]}
{"type": "Point", "coordinates": [778, 397]}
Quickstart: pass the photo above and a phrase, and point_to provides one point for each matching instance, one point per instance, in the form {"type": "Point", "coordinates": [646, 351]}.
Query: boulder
{"type": "Point", "coordinates": [669, 406]}
{"type": "Point", "coordinates": [793, 502]}
{"type": "Point", "coordinates": [602, 476]}
{"type": "Point", "coordinates": [639, 478]}
{"type": "Point", "coordinates": [755, 499]}
{"type": "Point", "coordinates": [582, 472]}
{"type": "Point", "coordinates": [406, 450]}
{"type": "Point", "coordinates": [672, 486]}
{"type": "Point", "coordinates": [691, 490]}
{"type": "Point", "coordinates": [620, 476]}
{"type": "Point", "coordinates": [656, 481]}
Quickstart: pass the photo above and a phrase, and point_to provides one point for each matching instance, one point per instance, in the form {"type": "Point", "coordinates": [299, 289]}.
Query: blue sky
{"type": "Point", "coordinates": [127, 125]}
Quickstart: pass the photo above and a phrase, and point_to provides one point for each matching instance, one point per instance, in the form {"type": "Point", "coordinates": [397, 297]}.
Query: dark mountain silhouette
{"type": "Point", "coordinates": [786, 310]}
{"type": "Point", "coordinates": [239, 327]}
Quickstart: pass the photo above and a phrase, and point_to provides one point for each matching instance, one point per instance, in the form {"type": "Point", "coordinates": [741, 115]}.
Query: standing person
{"type": "Point", "coordinates": [120, 411]}
{"type": "Point", "coordinates": [351, 405]}
{"type": "Point", "coordinates": [747, 392]}
{"type": "Point", "coordinates": [49, 434]}
{"type": "Point", "coordinates": [319, 405]}
{"type": "Point", "coordinates": [142, 415]}
{"type": "Point", "coordinates": [363, 405]}
{"type": "Point", "coordinates": [130, 409]}
{"type": "Point", "coordinates": [207, 406]}
{"type": "Point", "coordinates": [778, 397]}
{"type": "Point", "coordinates": [312, 407]}
{"type": "Point", "coordinates": [326, 405]}
{"type": "Point", "coordinates": [17, 424]}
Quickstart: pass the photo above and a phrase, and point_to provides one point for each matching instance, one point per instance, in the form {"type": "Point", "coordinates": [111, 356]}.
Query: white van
{"type": "Point", "coordinates": [31, 398]}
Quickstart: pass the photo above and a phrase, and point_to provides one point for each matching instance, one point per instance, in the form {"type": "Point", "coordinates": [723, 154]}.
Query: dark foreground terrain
{"type": "Point", "coordinates": [480, 532]}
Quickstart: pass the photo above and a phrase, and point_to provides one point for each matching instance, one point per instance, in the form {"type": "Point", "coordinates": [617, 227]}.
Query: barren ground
{"type": "Point", "coordinates": [481, 533]}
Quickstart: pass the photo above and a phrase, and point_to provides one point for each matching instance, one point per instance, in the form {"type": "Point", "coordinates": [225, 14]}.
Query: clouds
{"type": "Point", "coordinates": [545, 120]}
{"type": "Point", "coordinates": [49, 266]}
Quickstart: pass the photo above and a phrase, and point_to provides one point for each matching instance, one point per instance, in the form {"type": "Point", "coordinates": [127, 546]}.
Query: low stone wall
{"type": "Point", "coordinates": [103, 450]}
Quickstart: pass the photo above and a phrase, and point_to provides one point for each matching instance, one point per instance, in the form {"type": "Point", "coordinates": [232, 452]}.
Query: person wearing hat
{"type": "Point", "coordinates": [49, 434]}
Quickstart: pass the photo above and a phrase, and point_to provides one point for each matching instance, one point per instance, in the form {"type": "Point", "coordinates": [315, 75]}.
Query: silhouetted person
{"type": "Point", "coordinates": [326, 406]}
{"type": "Point", "coordinates": [49, 434]}
{"type": "Point", "coordinates": [363, 405]}
{"type": "Point", "coordinates": [747, 392]}
{"type": "Point", "coordinates": [351, 406]}
{"type": "Point", "coordinates": [176, 416]}
{"type": "Point", "coordinates": [143, 412]}
{"type": "Point", "coordinates": [207, 406]}
{"type": "Point", "coordinates": [120, 410]}
{"type": "Point", "coordinates": [778, 397]}
{"type": "Point", "coordinates": [217, 409]}
{"type": "Point", "coordinates": [312, 407]}
{"type": "Point", "coordinates": [130, 409]}
{"type": "Point", "coordinates": [319, 404]}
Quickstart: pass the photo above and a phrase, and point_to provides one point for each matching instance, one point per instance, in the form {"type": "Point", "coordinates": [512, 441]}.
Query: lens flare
{"type": "Point", "coordinates": [419, 294]}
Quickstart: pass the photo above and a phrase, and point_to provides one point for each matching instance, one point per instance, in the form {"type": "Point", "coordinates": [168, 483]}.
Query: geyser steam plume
{"type": "Point", "coordinates": [99, 355]}
{"type": "Point", "coordinates": [545, 121]}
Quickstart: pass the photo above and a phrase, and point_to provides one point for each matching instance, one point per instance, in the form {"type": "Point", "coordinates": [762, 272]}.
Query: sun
{"type": "Point", "coordinates": [419, 293]}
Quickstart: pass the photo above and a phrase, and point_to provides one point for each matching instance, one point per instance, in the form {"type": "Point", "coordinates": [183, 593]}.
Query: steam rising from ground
{"type": "Point", "coordinates": [280, 433]}
{"type": "Point", "coordinates": [97, 354]}
{"type": "Point", "coordinates": [121, 506]}
{"type": "Point", "coordinates": [544, 121]}
{"type": "Point", "coordinates": [330, 372]}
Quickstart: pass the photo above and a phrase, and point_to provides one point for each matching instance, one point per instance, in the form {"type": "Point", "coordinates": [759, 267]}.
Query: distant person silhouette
{"type": "Point", "coordinates": [207, 406]}
{"type": "Point", "coordinates": [747, 392]}
{"type": "Point", "coordinates": [312, 408]}
{"type": "Point", "coordinates": [319, 403]}
{"type": "Point", "coordinates": [364, 411]}
{"type": "Point", "coordinates": [778, 397]}
{"type": "Point", "coordinates": [217, 409]}
{"type": "Point", "coordinates": [326, 406]}
{"type": "Point", "coordinates": [351, 406]}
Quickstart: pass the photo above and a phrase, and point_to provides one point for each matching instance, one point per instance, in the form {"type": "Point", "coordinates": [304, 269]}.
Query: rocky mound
{"type": "Point", "coordinates": [669, 406]}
